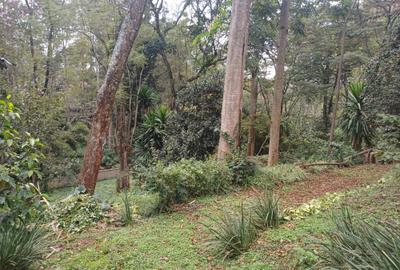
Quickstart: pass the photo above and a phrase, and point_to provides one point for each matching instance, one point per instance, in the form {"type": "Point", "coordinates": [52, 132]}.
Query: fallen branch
{"type": "Point", "coordinates": [304, 166]}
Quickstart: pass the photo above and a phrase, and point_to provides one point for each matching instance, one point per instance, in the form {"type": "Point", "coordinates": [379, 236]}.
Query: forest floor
{"type": "Point", "coordinates": [177, 240]}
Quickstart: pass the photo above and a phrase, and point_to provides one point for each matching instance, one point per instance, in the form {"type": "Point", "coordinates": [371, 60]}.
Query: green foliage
{"type": "Point", "coordinates": [149, 140]}
{"type": "Point", "coordinates": [77, 212]}
{"type": "Point", "coordinates": [315, 206]}
{"type": "Point", "coordinates": [232, 234]}
{"type": "Point", "coordinates": [193, 131]}
{"type": "Point", "coordinates": [383, 81]}
{"type": "Point", "coordinates": [282, 173]}
{"type": "Point", "coordinates": [20, 157]}
{"type": "Point", "coordinates": [362, 244]}
{"type": "Point", "coordinates": [354, 121]}
{"type": "Point", "coordinates": [305, 259]}
{"type": "Point", "coordinates": [47, 119]}
{"type": "Point", "coordinates": [388, 138]}
{"type": "Point", "coordinates": [241, 167]}
{"type": "Point", "coordinates": [186, 179]}
{"type": "Point", "coordinates": [109, 158]}
{"type": "Point", "coordinates": [266, 211]}
{"type": "Point", "coordinates": [21, 246]}
{"type": "Point", "coordinates": [127, 215]}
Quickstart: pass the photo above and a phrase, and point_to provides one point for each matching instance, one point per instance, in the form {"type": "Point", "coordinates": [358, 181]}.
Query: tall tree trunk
{"type": "Point", "coordinates": [32, 47]}
{"type": "Point", "coordinates": [338, 82]}
{"type": "Point", "coordinates": [106, 95]}
{"type": "Point", "coordinates": [123, 148]}
{"type": "Point", "coordinates": [251, 138]}
{"type": "Point", "coordinates": [50, 37]}
{"type": "Point", "coordinates": [233, 86]}
{"type": "Point", "coordinates": [274, 134]}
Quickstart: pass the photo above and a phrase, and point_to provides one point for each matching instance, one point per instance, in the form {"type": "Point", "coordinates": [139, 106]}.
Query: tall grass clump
{"type": "Point", "coordinates": [127, 216]}
{"type": "Point", "coordinates": [232, 235]}
{"type": "Point", "coordinates": [362, 245]}
{"type": "Point", "coordinates": [266, 211]}
{"type": "Point", "coordinates": [21, 246]}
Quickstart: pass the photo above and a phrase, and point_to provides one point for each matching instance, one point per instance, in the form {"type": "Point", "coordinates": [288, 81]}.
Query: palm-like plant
{"type": "Point", "coordinates": [152, 130]}
{"type": "Point", "coordinates": [354, 120]}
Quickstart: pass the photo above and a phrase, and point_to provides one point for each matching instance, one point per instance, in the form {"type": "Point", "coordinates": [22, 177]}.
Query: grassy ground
{"type": "Point", "coordinates": [177, 240]}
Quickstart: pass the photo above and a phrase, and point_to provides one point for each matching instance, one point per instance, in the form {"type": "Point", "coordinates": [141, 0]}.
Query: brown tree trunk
{"type": "Point", "coordinates": [123, 149]}
{"type": "Point", "coordinates": [233, 86]}
{"type": "Point", "coordinates": [274, 134]}
{"type": "Point", "coordinates": [106, 95]}
{"type": "Point", "coordinates": [337, 82]}
{"type": "Point", "coordinates": [32, 47]}
{"type": "Point", "coordinates": [48, 58]}
{"type": "Point", "coordinates": [251, 138]}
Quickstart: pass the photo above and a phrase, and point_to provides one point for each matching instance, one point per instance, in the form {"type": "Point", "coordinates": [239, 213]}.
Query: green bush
{"type": "Point", "coordinates": [77, 212]}
{"type": "Point", "coordinates": [232, 235]}
{"type": "Point", "coordinates": [241, 167]}
{"type": "Point", "coordinates": [285, 173]}
{"type": "Point", "coordinates": [186, 179]}
{"type": "Point", "coordinates": [21, 246]}
{"type": "Point", "coordinates": [362, 245]}
{"type": "Point", "coordinates": [127, 215]}
{"type": "Point", "coordinates": [266, 211]}
{"type": "Point", "coordinates": [388, 138]}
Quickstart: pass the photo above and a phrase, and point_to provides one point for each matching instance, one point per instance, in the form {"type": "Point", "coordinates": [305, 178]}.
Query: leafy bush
{"type": "Point", "coordinates": [77, 212]}
{"type": "Point", "coordinates": [232, 235]}
{"type": "Point", "coordinates": [185, 179]}
{"type": "Point", "coordinates": [193, 131]}
{"type": "Point", "coordinates": [241, 167]}
{"type": "Point", "coordinates": [285, 173]}
{"type": "Point", "coordinates": [21, 246]}
{"type": "Point", "coordinates": [266, 211]}
{"type": "Point", "coordinates": [388, 138]}
{"type": "Point", "coordinates": [362, 245]}
{"type": "Point", "coordinates": [20, 160]}
{"type": "Point", "coordinates": [109, 158]}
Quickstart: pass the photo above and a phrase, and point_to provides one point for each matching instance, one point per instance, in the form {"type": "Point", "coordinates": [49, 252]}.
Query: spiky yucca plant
{"type": "Point", "coordinates": [354, 121]}
{"type": "Point", "coordinates": [21, 246]}
{"type": "Point", "coordinates": [362, 245]}
{"type": "Point", "coordinates": [266, 211]}
{"type": "Point", "coordinates": [232, 235]}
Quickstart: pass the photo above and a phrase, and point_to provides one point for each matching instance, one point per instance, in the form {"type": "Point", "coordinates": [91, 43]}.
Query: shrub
{"type": "Point", "coordinates": [266, 211]}
{"type": "Point", "coordinates": [232, 235]}
{"type": "Point", "coordinates": [389, 138]}
{"type": "Point", "coordinates": [21, 246]}
{"type": "Point", "coordinates": [285, 173]}
{"type": "Point", "coordinates": [77, 212]}
{"type": "Point", "coordinates": [186, 179]}
{"type": "Point", "coordinates": [362, 245]}
{"type": "Point", "coordinates": [241, 168]}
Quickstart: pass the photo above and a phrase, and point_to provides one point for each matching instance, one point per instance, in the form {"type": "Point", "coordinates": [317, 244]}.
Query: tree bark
{"type": "Point", "coordinates": [274, 135]}
{"type": "Point", "coordinates": [337, 82]}
{"type": "Point", "coordinates": [233, 86]}
{"type": "Point", "coordinates": [32, 47]}
{"type": "Point", "coordinates": [123, 149]}
{"type": "Point", "coordinates": [50, 37]}
{"type": "Point", "coordinates": [106, 95]}
{"type": "Point", "coordinates": [251, 138]}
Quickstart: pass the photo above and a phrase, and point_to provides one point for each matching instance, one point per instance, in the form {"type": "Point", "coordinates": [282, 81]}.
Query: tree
{"type": "Point", "coordinates": [233, 85]}
{"type": "Point", "coordinates": [338, 80]}
{"type": "Point", "coordinates": [251, 137]}
{"type": "Point", "coordinates": [106, 95]}
{"type": "Point", "coordinates": [273, 155]}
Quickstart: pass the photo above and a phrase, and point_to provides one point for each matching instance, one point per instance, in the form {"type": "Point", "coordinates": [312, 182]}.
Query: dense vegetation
{"type": "Point", "coordinates": [244, 102]}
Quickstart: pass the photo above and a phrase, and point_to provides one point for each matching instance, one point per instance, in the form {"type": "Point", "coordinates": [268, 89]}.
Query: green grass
{"type": "Point", "coordinates": [178, 240]}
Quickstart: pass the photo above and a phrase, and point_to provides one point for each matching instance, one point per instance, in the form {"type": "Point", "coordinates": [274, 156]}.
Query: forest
{"type": "Point", "coordinates": [200, 134]}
